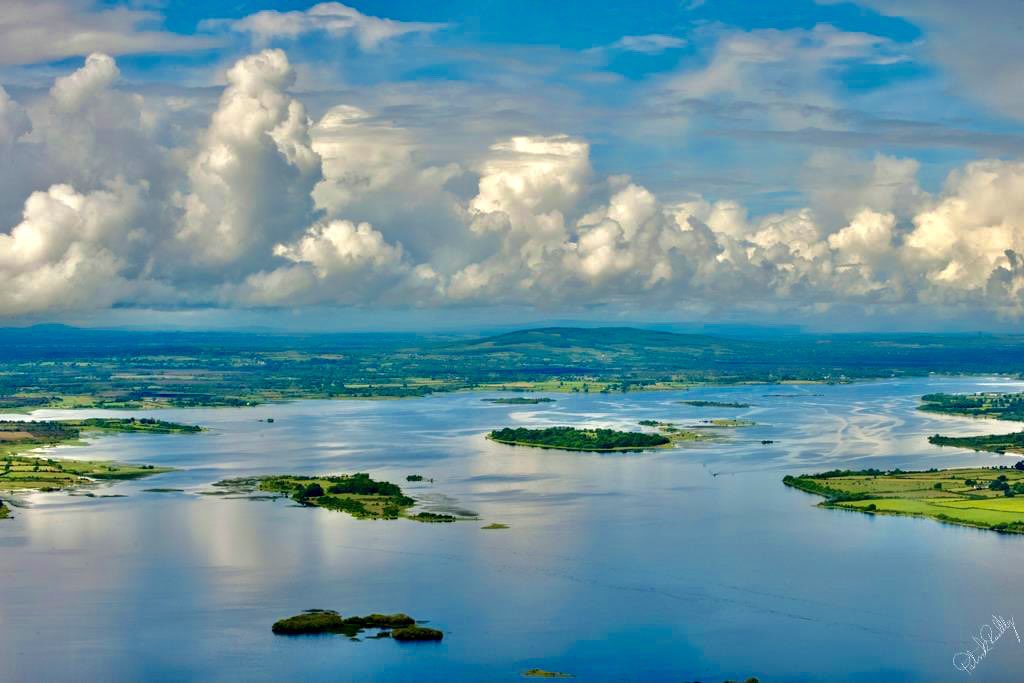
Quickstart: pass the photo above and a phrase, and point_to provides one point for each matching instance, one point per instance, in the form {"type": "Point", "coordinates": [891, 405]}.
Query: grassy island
{"type": "Point", "coordinates": [572, 439]}
{"type": "Point", "coordinates": [987, 498]}
{"type": "Point", "coordinates": [518, 401]}
{"type": "Point", "coordinates": [357, 494]}
{"type": "Point", "coordinates": [715, 404]}
{"type": "Point", "coordinates": [400, 627]}
{"type": "Point", "coordinates": [995, 405]}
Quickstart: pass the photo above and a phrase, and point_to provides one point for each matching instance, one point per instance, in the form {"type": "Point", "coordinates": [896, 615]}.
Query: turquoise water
{"type": "Point", "coordinates": [686, 564]}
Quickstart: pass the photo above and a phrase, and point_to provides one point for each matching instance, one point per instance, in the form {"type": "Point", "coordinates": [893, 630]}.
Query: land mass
{"type": "Point", "coordinates": [356, 494]}
{"type": "Point", "coordinates": [987, 498]}
{"type": "Point", "coordinates": [25, 472]}
{"type": "Point", "coordinates": [400, 627]}
{"type": "Point", "coordinates": [996, 443]}
{"type": "Point", "coordinates": [995, 405]}
{"type": "Point", "coordinates": [66, 367]}
{"type": "Point", "coordinates": [715, 404]}
{"type": "Point", "coordinates": [572, 439]}
{"type": "Point", "coordinates": [518, 401]}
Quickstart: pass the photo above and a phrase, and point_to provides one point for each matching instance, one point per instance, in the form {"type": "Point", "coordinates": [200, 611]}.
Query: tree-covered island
{"type": "Point", "coordinates": [715, 404]}
{"type": "Point", "coordinates": [573, 439]}
{"type": "Point", "coordinates": [987, 498]}
{"type": "Point", "coordinates": [356, 494]}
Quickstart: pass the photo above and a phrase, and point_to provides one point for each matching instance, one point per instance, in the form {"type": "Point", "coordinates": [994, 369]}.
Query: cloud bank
{"type": "Point", "coordinates": [265, 207]}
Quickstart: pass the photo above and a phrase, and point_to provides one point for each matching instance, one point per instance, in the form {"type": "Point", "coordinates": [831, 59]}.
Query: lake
{"type": "Point", "coordinates": [688, 564]}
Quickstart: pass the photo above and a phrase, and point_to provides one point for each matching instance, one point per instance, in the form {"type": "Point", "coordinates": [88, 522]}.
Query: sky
{"type": "Point", "coordinates": [394, 164]}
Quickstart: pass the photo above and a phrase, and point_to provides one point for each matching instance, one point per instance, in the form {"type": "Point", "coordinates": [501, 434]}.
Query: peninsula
{"type": "Point", "coordinates": [987, 498]}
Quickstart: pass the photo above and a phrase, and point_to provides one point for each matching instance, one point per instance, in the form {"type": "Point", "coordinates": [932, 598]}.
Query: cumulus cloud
{"type": "Point", "coordinates": [267, 208]}
{"type": "Point", "coordinates": [338, 262]}
{"type": "Point", "coordinates": [333, 18]}
{"type": "Point", "coordinates": [63, 254]}
{"type": "Point", "coordinates": [251, 181]}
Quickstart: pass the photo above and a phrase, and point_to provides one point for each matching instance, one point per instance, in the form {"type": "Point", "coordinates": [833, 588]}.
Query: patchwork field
{"type": "Point", "coordinates": [991, 498]}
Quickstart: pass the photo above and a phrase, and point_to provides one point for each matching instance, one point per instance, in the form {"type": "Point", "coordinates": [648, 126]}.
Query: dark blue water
{"type": "Point", "coordinates": [685, 564]}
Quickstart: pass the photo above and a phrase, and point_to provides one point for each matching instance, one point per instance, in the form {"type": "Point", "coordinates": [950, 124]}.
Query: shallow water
{"type": "Point", "coordinates": [686, 564]}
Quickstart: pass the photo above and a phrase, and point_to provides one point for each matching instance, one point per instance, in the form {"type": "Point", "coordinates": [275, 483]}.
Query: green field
{"type": "Point", "coordinates": [26, 472]}
{"type": "Point", "coordinates": [64, 367]}
{"type": "Point", "coordinates": [989, 498]}
{"type": "Point", "coordinates": [990, 404]}
{"type": "Point", "coordinates": [18, 473]}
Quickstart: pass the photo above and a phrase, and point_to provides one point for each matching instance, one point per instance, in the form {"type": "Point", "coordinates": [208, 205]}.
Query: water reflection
{"type": "Point", "coordinates": [685, 564]}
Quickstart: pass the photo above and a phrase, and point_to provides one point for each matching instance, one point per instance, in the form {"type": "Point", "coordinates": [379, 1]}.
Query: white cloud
{"type": "Point", "coordinates": [63, 254]}
{"type": "Point", "coordinates": [34, 31]}
{"type": "Point", "coordinates": [251, 181]}
{"type": "Point", "coordinates": [333, 18]}
{"type": "Point", "coordinates": [651, 44]}
{"type": "Point", "coordinates": [265, 208]}
{"type": "Point", "coordinates": [99, 73]}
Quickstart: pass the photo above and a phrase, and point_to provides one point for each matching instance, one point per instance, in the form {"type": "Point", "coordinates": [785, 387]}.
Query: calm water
{"type": "Point", "coordinates": [688, 564]}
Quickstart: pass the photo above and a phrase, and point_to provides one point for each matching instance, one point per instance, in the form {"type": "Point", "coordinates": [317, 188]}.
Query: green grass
{"type": "Point", "coordinates": [955, 496]}
{"type": "Point", "coordinates": [49, 474]}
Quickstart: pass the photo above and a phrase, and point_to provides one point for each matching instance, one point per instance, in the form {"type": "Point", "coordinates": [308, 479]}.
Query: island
{"type": "Point", "coordinates": [541, 673]}
{"type": "Point", "coordinates": [715, 404]}
{"type": "Point", "coordinates": [573, 439]}
{"type": "Point", "coordinates": [726, 423]}
{"type": "Point", "coordinates": [995, 405]}
{"type": "Point", "coordinates": [356, 494]}
{"type": "Point", "coordinates": [982, 497]}
{"type": "Point", "coordinates": [518, 401]}
{"type": "Point", "coordinates": [996, 443]}
{"type": "Point", "coordinates": [400, 627]}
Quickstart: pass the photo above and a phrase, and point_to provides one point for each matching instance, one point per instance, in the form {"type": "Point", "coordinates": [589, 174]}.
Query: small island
{"type": "Point", "coordinates": [518, 401]}
{"type": "Point", "coordinates": [541, 673]}
{"type": "Point", "coordinates": [573, 439]}
{"type": "Point", "coordinates": [726, 423]}
{"type": "Point", "coordinates": [356, 494]}
{"type": "Point", "coordinates": [400, 627]}
{"type": "Point", "coordinates": [986, 498]}
{"type": "Point", "coordinates": [715, 404]}
{"type": "Point", "coordinates": [995, 405]}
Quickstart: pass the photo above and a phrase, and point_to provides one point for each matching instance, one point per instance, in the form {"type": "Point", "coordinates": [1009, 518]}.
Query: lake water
{"type": "Point", "coordinates": [686, 564]}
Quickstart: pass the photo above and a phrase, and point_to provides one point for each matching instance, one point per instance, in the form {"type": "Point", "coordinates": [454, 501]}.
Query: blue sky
{"type": "Point", "coordinates": [757, 159]}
